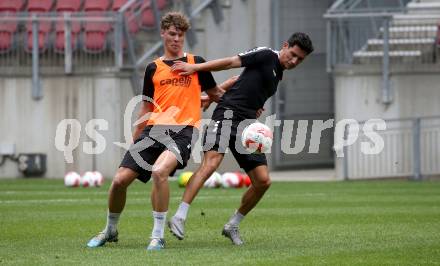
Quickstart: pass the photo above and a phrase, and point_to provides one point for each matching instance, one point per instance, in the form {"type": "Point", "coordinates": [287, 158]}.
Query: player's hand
{"type": "Point", "coordinates": [260, 111]}
{"type": "Point", "coordinates": [205, 102]}
{"type": "Point", "coordinates": [183, 68]}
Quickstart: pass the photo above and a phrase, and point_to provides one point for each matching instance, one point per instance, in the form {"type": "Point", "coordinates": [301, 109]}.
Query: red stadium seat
{"type": "Point", "coordinates": [161, 4]}
{"type": "Point", "coordinates": [95, 34]}
{"type": "Point", "coordinates": [43, 36]}
{"type": "Point", "coordinates": [147, 18]}
{"type": "Point", "coordinates": [39, 5]}
{"type": "Point", "coordinates": [5, 41]}
{"type": "Point", "coordinates": [96, 5]}
{"type": "Point", "coordinates": [147, 15]}
{"type": "Point", "coordinates": [44, 27]}
{"type": "Point", "coordinates": [60, 38]}
{"type": "Point", "coordinates": [10, 5]}
{"type": "Point", "coordinates": [94, 41]}
{"type": "Point", "coordinates": [8, 29]}
{"type": "Point", "coordinates": [42, 42]}
{"type": "Point", "coordinates": [132, 22]}
{"type": "Point", "coordinates": [68, 5]}
{"type": "Point", "coordinates": [117, 4]}
{"type": "Point", "coordinates": [7, 32]}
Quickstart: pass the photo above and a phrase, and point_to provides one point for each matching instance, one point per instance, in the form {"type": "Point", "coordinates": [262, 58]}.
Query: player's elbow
{"type": "Point", "coordinates": [234, 62]}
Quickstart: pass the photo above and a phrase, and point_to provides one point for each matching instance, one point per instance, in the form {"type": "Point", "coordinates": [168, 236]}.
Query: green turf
{"type": "Point", "coordinates": [340, 223]}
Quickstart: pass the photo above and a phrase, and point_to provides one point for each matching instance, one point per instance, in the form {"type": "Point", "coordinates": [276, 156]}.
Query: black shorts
{"type": "Point", "coordinates": [152, 142]}
{"type": "Point", "coordinates": [224, 131]}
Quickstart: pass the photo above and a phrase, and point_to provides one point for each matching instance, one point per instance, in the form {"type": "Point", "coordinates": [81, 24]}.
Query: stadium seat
{"type": "Point", "coordinates": [161, 4]}
{"type": "Point", "coordinates": [117, 4]}
{"type": "Point", "coordinates": [8, 29]}
{"type": "Point", "coordinates": [95, 34]}
{"type": "Point", "coordinates": [147, 15]}
{"type": "Point", "coordinates": [96, 5]}
{"type": "Point", "coordinates": [10, 5]}
{"type": "Point", "coordinates": [147, 18]}
{"type": "Point", "coordinates": [60, 38]}
{"type": "Point", "coordinates": [68, 5]}
{"type": "Point", "coordinates": [39, 5]}
{"type": "Point", "coordinates": [94, 41]}
{"type": "Point", "coordinates": [130, 18]}
{"type": "Point", "coordinates": [132, 22]}
{"type": "Point", "coordinates": [43, 36]}
{"type": "Point", "coordinates": [7, 32]}
{"type": "Point", "coordinates": [44, 27]}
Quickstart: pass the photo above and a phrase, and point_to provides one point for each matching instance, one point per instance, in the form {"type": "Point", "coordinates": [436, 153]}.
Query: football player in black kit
{"type": "Point", "coordinates": [263, 70]}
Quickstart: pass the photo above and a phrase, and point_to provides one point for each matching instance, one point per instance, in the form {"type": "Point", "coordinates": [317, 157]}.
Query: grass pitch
{"type": "Point", "coordinates": [340, 223]}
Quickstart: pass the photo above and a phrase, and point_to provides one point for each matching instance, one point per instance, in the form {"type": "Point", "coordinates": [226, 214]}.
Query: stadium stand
{"type": "Point", "coordinates": [44, 27]}
{"type": "Point", "coordinates": [7, 33]}
{"type": "Point", "coordinates": [117, 4]}
{"type": "Point", "coordinates": [92, 36]}
{"type": "Point", "coordinates": [411, 37]}
{"type": "Point", "coordinates": [66, 6]}
{"type": "Point", "coordinates": [95, 33]}
{"type": "Point", "coordinates": [132, 21]}
{"type": "Point", "coordinates": [96, 5]}
{"type": "Point", "coordinates": [8, 29]}
{"type": "Point", "coordinates": [10, 5]}
{"type": "Point", "coordinates": [147, 17]}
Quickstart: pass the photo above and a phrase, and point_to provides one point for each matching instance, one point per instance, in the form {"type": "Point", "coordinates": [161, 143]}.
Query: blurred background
{"type": "Point", "coordinates": [85, 59]}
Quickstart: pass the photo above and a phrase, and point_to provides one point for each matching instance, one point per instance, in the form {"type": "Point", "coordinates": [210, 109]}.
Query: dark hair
{"type": "Point", "coordinates": [176, 19]}
{"type": "Point", "coordinates": [302, 40]}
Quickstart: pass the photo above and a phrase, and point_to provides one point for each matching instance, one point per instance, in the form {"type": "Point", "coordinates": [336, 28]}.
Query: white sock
{"type": "Point", "coordinates": [159, 224]}
{"type": "Point", "coordinates": [112, 221]}
{"type": "Point", "coordinates": [236, 218]}
{"type": "Point", "coordinates": [182, 211]}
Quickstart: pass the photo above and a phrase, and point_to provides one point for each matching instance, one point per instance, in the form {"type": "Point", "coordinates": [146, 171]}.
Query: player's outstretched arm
{"type": "Point", "coordinates": [214, 65]}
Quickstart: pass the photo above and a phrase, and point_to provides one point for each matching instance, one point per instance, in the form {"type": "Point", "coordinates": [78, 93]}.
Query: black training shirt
{"type": "Point", "coordinates": [206, 79]}
{"type": "Point", "coordinates": [257, 82]}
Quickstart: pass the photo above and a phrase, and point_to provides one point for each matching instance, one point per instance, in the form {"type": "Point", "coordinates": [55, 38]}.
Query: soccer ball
{"type": "Point", "coordinates": [243, 179]}
{"type": "Point", "coordinates": [72, 179]}
{"type": "Point", "coordinates": [257, 138]}
{"type": "Point", "coordinates": [87, 180]}
{"type": "Point", "coordinates": [98, 179]}
{"type": "Point", "coordinates": [230, 180]}
{"type": "Point", "coordinates": [183, 178]}
{"type": "Point", "coordinates": [214, 181]}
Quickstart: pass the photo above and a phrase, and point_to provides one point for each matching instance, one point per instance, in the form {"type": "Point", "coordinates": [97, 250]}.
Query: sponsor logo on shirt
{"type": "Point", "coordinates": [181, 82]}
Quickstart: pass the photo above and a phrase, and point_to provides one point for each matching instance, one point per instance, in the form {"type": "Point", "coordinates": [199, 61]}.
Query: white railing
{"type": "Point", "coordinates": [411, 149]}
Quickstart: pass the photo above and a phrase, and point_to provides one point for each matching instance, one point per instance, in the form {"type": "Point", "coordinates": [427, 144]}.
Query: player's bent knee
{"type": "Point", "coordinates": [263, 184]}
{"type": "Point", "coordinates": [120, 183]}
{"type": "Point", "coordinates": [159, 176]}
